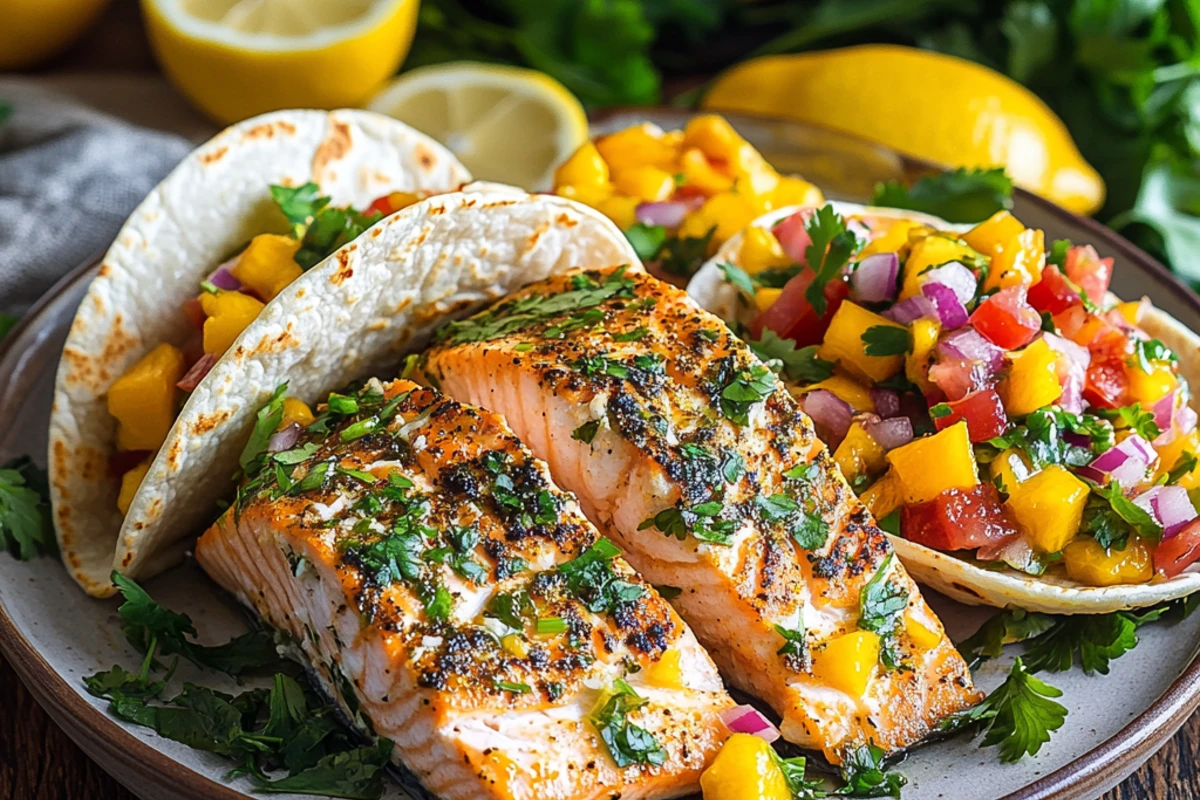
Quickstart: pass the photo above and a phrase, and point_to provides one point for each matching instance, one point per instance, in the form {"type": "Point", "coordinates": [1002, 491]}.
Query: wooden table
{"type": "Point", "coordinates": [39, 762]}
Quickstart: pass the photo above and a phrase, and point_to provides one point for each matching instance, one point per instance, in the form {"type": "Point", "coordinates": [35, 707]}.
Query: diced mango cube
{"type": "Point", "coordinates": [848, 389]}
{"type": "Point", "coordinates": [892, 240]}
{"type": "Point", "coordinates": [1018, 261]}
{"type": "Point", "coordinates": [1032, 382]}
{"type": "Point", "coordinates": [1132, 311]}
{"type": "Point", "coordinates": [700, 173]}
{"type": "Point", "coordinates": [725, 214]}
{"type": "Point", "coordinates": [638, 146]}
{"type": "Point", "coordinates": [645, 183]}
{"type": "Point", "coordinates": [922, 635]}
{"type": "Point", "coordinates": [752, 174]}
{"type": "Point", "coordinates": [515, 645]}
{"type": "Point", "coordinates": [745, 767]}
{"type": "Point", "coordinates": [991, 234]}
{"type": "Point", "coordinates": [713, 135]}
{"type": "Point", "coordinates": [585, 167]}
{"type": "Point", "coordinates": [296, 410]}
{"type": "Point", "coordinates": [930, 465]}
{"type": "Point", "coordinates": [1048, 507]}
{"type": "Point", "coordinates": [765, 297]}
{"type": "Point", "coordinates": [792, 191]}
{"type": "Point", "coordinates": [1011, 467]}
{"type": "Point", "coordinates": [621, 210]}
{"type": "Point", "coordinates": [844, 343]}
{"type": "Point", "coordinates": [847, 662]}
{"type": "Point", "coordinates": [143, 399]}
{"type": "Point", "coordinates": [666, 673]}
{"type": "Point", "coordinates": [884, 496]}
{"type": "Point", "coordinates": [932, 251]}
{"type": "Point", "coordinates": [588, 195]}
{"type": "Point", "coordinates": [760, 251]}
{"type": "Point", "coordinates": [925, 333]}
{"type": "Point", "coordinates": [1148, 388]}
{"type": "Point", "coordinates": [229, 313]}
{"type": "Point", "coordinates": [1089, 563]}
{"type": "Point", "coordinates": [268, 264]}
{"type": "Point", "coordinates": [1170, 453]}
{"type": "Point", "coordinates": [130, 482]}
{"type": "Point", "coordinates": [859, 454]}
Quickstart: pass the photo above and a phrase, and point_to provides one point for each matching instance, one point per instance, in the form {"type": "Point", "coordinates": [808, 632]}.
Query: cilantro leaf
{"type": "Point", "coordinates": [738, 277]}
{"type": "Point", "coordinates": [1110, 525]}
{"type": "Point", "coordinates": [354, 774]}
{"type": "Point", "coordinates": [1007, 627]}
{"type": "Point", "coordinates": [627, 743]}
{"type": "Point", "coordinates": [881, 607]}
{"type": "Point", "coordinates": [299, 204]}
{"type": "Point", "coordinates": [886, 340]}
{"type": "Point", "coordinates": [1148, 350]}
{"type": "Point", "coordinates": [865, 774]}
{"type": "Point", "coordinates": [745, 388]}
{"type": "Point", "coordinates": [1184, 465]}
{"type": "Point", "coordinates": [960, 195]}
{"type": "Point", "coordinates": [266, 422]}
{"type": "Point", "coordinates": [1019, 715]}
{"type": "Point", "coordinates": [781, 355]}
{"type": "Point", "coordinates": [1139, 421]}
{"type": "Point", "coordinates": [683, 255]}
{"type": "Point", "coordinates": [793, 770]}
{"type": "Point", "coordinates": [586, 432]}
{"type": "Point", "coordinates": [1095, 639]}
{"type": "Point", "coordinates": [828, 251]}
{"type": "Point", "coordinates": [25, 529]}
{"type": "Point", "coordinates": [1057, 254]}
{"type": "Point", "coordinates": [647, 240]}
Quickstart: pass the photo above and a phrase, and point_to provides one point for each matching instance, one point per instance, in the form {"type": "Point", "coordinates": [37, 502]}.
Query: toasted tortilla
{"type": "Point", "coordinates": [962, 579]}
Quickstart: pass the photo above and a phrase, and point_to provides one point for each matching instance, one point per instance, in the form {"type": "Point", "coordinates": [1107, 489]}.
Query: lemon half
{"type": "Point", "coordinates": [504, 123]}
{"type": "Point", "coordinates": [238, 58]}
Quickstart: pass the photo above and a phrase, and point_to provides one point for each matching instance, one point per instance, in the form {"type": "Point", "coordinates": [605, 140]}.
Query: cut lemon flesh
{"type": "Point", "coordinates": [504, 123]}
{"type": "Point", "coordinates": [238, 58]}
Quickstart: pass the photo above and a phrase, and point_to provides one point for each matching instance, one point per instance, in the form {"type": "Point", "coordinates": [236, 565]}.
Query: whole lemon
{"type": "Point", "coordinates": [32, 31]}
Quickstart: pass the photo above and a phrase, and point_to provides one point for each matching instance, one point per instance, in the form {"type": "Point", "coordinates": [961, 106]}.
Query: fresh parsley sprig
{"type": "Point", "coordinates": [829, 250]}
{"type": "Point", "coordinates": [25, 529]}
{"type": "Point", "coordinates": [801, 365]}
{"type": "Point", "coordinates": [1019, 715]}
{"type": "Point", "coordinates": [960, 195]}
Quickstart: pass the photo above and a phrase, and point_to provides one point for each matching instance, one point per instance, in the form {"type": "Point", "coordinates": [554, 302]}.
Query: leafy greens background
{"type": "Point", "coordinates": [1123, 74]}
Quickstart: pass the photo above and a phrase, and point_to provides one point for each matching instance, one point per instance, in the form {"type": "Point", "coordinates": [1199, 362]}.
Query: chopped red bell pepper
{"type": "Point", "coordinates": [1053, 293]}
{"type": "Point", "coordinates": [959, 519]}
{"type": "Point", "coordinates": [983, 411]}
{"type": "Point", "coordinates": [1091, 273]}
{"type": "Point", "coordinates": [1174, 555]}
{"type": "Point", "coordinates": [791, 316]}
{"type": "Point", "coordinates": [1006, 319]}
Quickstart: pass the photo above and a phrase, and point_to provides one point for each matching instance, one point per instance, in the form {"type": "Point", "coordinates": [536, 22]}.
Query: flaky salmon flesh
{"type": "Point", "coordinates": [448, 596]}
{"type": "Point", "coordinates": [685, 449]}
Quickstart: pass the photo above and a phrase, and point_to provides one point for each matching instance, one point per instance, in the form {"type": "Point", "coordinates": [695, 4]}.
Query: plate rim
{"type": "Point", "coordinates": [94, 731]}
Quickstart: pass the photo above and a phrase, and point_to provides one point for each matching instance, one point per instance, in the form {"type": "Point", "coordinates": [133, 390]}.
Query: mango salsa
{"type": "Point", "coordinates": [296, 410]}
{"type": "Point", "coordinates": [229, 313]}
{"type": "Point", "coordinates": [585, 167]}
{"type": "Point", "coordinates": [893, 240]}
{"type": "Point", "coordinates": [1032, 383]}
{"type": "Point", "coordinates": [765, 297]}
{"type": "Point", "coordinates": [639, 145]}
{"type": "Point", "coordinates": [130, 482]}
{"type": "Point", "coordinates": [143, 399]}
{"type": "Point", "coordinates": [884, 496]}
{"type": "Point", "coordinates": [724, 214]}
{"type": "Point", "coordinates": [1017, 261]}
{"type": "Point", "coordinates": [844, 343]}
{"type": "Point", "coordinates": [859, 454]}
{"type": "Point", "coordinates": [932, 251]}
{"type": "Point", "coordinates": [621, 210]}
{"type": "Point", "coordinates": [847, 662]}
{"type": "Point", "coordinates": [666, 673]}
{"type": "Point", "coordinates": [1089, 563]}
{"type": "Point", "coordinates": [1148, 388]}
{"type": "Point", "coordinates": [925, 333]}
{"type": "Point", "coordinates": [1170, 453]}
{"type": "Point", "coordinates": [650, 184]}
{"type": "Point", "coordinates": [928, 466]}
{"type": "Point", "coordinates": [1048, 507]}
{"type": "Point", "coordinates": [989, 236]}
{"type": "Point", "coordinates": [698, 171]}
{"type": "Point", "coordinates": [713, 135]}
{"type": "Point", "coordinates": [761, 251]}
{"type": "Point", "coordinates": [1010, 467]}
{"type": "Point", "coordinates": [268, 264]}
{"type": "Point", "coordinates": [745, 769]}
{"type": "Point", "coordinates": [848, 389]}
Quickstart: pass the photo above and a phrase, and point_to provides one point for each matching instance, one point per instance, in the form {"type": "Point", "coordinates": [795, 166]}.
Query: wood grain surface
{"type": "Point", "coordinates": [39, 762]}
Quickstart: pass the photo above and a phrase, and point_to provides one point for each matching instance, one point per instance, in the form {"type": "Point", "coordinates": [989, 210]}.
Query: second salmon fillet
{"type": "Point", "coordinates": [683, 447]}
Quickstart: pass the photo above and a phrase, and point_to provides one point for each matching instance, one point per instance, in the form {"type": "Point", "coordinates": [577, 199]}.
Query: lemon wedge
{"type": "Point", "coordinates": [504, 123]}
{"type": "Point", "coordinates": [237, 58]}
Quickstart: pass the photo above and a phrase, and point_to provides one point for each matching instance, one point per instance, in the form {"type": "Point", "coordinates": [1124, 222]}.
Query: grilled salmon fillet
{"type": "Point", "coordinates": [685, 449]}
{"type": "Point", "coordinates": [451, 598]}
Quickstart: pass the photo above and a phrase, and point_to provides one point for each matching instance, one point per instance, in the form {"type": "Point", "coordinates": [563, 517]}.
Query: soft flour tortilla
{"type": "Point", "coordinates": [956, 577]}
{"type": "Point", "coordinates": [353, 315]}
{"type": "Point", "coordinates": [212, 204]}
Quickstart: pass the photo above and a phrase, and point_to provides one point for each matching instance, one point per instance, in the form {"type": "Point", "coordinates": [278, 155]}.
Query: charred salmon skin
{"type": "Point", "coordinates": [684, 448]}
{"type": "Point", "coordinates": [451, 598]}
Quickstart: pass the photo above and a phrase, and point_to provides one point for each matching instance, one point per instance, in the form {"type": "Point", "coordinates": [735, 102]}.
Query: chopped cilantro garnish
{"type": "Point", "coordinates": [865, 775]}
{"type": "Point", "coordinates": [886, 340]}
{"type": "Point", "coordinates": [25, 529]}
{"type": "Point", "coordinates": [1147, 350]}
{"type": "Point", "coordinates": [1057, 254]}
{"type": "Point", "coordinates": [592, 578]}
{"type": "Point", "coordinates": [266, 422]}
{"type": "Point", "coordinates": [635, 335]}
{"type": "Point", "coordinates": [1111, 517]}
{"type": "Point", "coordinates": [781, 355]}
{"type": "Point", "coordinates": [647, 240]}
{"type": "Point", "coordinates": [515, 688]}
{"type": "Point", "coordinates": [777, 506]}
{"type": "Point", "coordinates": [881, 607]}
{"type": "Point", "coordinates": [1184, 465]}
{"type": "Point", "coordinates": [960, 195]}
{"type": "Point", "coordinates": [738, 277]}
{"type": "Point", "coordinates": [1133, 417]}
{"type": "Point", "coordinates": [627, 743]}
{"type": "Point", "coordinates": [745, 388]}
{"type": "Point", "coordinates": [683, 255]}
{"type": "Point", "coordinates": [1042, 437]}
{"type": "Point", "coordinates": [830, 248]}
{"type": "Point", "coordinates": [1019, 715]}
{"type": "Point", "coordinates": [795, 646]}
{"type": "Point", "coordinates": [586, 432]}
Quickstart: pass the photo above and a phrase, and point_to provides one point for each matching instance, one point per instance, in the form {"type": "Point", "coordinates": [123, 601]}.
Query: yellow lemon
{"type": "Point", "coordinates": [927, 104]}
{"type": "Point", "coordinates": [238, 58]}
{"type": "Point", "coordinates": [504, 123]}
{"type": "Point", "coordinates": [34, 30]}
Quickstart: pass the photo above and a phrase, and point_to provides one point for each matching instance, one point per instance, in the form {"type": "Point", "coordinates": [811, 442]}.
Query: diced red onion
{"type": "Point", "coordinates": [222, 277]}
{"type": "Point", "coordinates": [874, 279]}
{"type": "Point", "coordinates": [668, 213]}
{"type": "Point", "coordinates": [1015, 551]}
{"type": "Point", "coordinates": [1174, 417]}
{"type": "Point", "coordinates": [956, 276]}
{"type": "Point", "coordinates": [1077, 439]}
{"type": "Point", "coordinates": [191, 379]}
{"type": "Point", "coordinates": [891, 433]}
{"type": "Point", "coordinates": [829, 413]}
{"type": "Point", "coordinates": [285, 438]}
{"type": "Point", "coordinates": [748, 719]}
{"type": "Point", "coordinates": [792, 236]}
{"type": "Point", "coordinates": [1125, 463]}
{"type": "Point", "coordinates": [1170, 506]}
{"type": "Point", "coordinates": [886, 402]}
{"type": "Point", "coordinates": [1071, 370]}
{"type": "Point", "coordinates": [969, 345]}
{"type": "Point", "coordinates": [912, 309]}
{"type": "Point", "coordinates": [951, 313]}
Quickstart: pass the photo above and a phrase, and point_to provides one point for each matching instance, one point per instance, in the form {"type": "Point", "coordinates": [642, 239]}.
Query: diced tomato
{"type": "Point", "coordinates": [1070, 321]}
{"type": "Point", "coordinates": [983, 412]}
{"type": "Point", "coordinates": [959, 519]}
{"type": "Point", "coordinates": [958, 377]}
{"type": "Point", "coordinates": [194, 313]}
{"type": "Point", "coordinates": [1052, 293]}
{"type": "Point", "coordinates": [1107, 382]}
{"type": "Point", "coordinates": [792, 236]}
{"type": "Point", "coordinates": [793, 317]}
{"type": "Point", "coordinates": [1174, 555]}
{"type": "Point", "coordinates": [122, 461]}
{"type": "Point", "coordinates": [1006, 319]}
{"type": "Point", "coordinates": [1087, 270]}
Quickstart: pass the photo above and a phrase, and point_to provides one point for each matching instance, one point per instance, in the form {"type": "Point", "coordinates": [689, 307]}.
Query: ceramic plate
{"type": "Point", "coordinates": [54, 635]}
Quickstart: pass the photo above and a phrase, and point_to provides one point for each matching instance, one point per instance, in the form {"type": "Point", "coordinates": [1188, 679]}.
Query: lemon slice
{"type": "Point", "coordinates": [238, 58]}
{"type": "Point", "coordinates": [504, 123]}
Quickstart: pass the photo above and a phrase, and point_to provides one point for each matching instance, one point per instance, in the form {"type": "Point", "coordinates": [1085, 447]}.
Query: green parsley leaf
{"type": "Point", "coordinates": [647, 240]}
{"type": "Point", "coordinates": [777, 506]}
{"type": "Point", "coordinates": [795, 647]}
{"type": "Point", "coordinates": [738, 277]}
{"type": "Point", "coordinates": [746, 387]}
{"type": "Point", "coordinates": [1019, 715]}
{"type": "Point", "coordinates": [1185, 464]}
{"type": "Point", "coordinates": [586, 432]}
{"type": "Point", "coordinates": [886, 340]}
{"type": "Point", "coordinates": [1095, 639]}
{"type": "Point", "coordinates": [299, 205]}
{"type": "Point", "coordinates": [865, 774]}
{"type": "Point", "coordinates": [798, 365]}
{"type": "Point", "coordinates": [961, 195]}
{"type": "Point", "coordinates": [627, 743]}
{"type": "Point", "coordinates": [794, 773]}
{"type": "Point", "coordinates": [25, 529]}
{"type": "Point", "coordinates": [354, 774]}
{"type": "Point", "coordinates": [592, 578]}
{"type": "Point", "coordinates": [266, 422]}
{"type": "Point", "coordinates": [829, 250]}
{"type": "Point", "coordinates": [1133, 417]}
{"type": "Point", "coordinates": [1006, 627]}
{"type": "Point", "coordinates": [881, 606]}
{"type": "Point", "coordinates": [1147, 350]}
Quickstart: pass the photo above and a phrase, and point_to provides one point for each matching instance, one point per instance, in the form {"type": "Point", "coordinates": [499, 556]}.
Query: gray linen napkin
{"type": "Point", "coordinates": [69, 176]}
